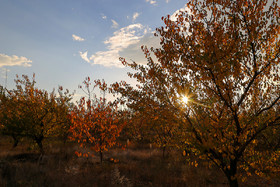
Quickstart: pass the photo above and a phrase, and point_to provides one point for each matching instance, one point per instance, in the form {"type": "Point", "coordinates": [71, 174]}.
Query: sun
{"type": "Point", "coordinates": [185, 99]}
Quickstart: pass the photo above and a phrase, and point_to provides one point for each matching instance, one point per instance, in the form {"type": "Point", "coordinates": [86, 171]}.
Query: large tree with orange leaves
{"type": "Point", "coordinates": [224, 56]}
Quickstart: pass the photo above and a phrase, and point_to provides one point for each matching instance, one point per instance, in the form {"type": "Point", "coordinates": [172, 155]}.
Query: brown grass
{"type": "Point", "coordinates": [135, 166]}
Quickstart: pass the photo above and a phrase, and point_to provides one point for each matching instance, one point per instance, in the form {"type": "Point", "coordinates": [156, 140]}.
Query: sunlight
{"type": "Point", "coordinates": [185, 99]}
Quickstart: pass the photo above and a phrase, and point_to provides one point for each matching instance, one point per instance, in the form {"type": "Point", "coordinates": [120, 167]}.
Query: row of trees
{"type": "Point", "coordinates": [222, 55]}
{"type": "Point", "coordinates": [30, 112]}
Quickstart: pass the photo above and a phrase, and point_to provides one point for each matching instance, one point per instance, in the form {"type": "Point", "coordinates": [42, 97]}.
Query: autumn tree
{"type": "Point", "coordinates": [95, 121]}
{"type": "Point", "coordinates": [2, 91]}
{"type": "Point", "coordinates": [152, 121]}
{"type": "Point", "coordinates": [62, 109]}
{"type": "Point", "coordinates": [223, 56]}
{"type": "Point", "coordinates": [32, 112]}
{"type": "Point", "coordinates": [9, 121]}
{"type": "Point", "coordinates": [153, 117]}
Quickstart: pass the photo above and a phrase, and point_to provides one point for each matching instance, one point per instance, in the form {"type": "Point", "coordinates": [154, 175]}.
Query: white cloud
{"type": "Point", "coordinates": [126, 42]}
{"type": "Point", "coordinates": [115, 24]}
{"type": "Point", "coordinates": [122, 41]}
{"type": "Point", "coordinates": [77, 38]}
{"type": "Point", "coordinates": [125, 37]}
{"type": "Point", "coordinates": [152, 2]}
{"type": "Point", "coordinates": [14, 60]}
{"type": "Point", "coordinates": [106, 58]}
{"type": "Point", "coordinates": [135, 16]}
{"type": "Point", "coordinates": [84, 56]}
{"type": "Point", "coordinates": [134, 52]}
{"type": "Point", "coordinates": [167, 1]}
{"type": "Point", "coordinates": [173, 17]}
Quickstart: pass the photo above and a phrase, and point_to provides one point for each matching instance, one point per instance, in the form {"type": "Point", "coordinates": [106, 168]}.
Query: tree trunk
{"type": "Point", "coordinates": [231, 174]}
{"type": "Point", "coordinates": [101, 156]}
{"type": "Point", "coordinates": [40, 146]}
{"type": "Point", "coordinates": [15, 141]}
{"type": "Point", "coordinates": [163, 152]}
{"type": "Point", "coordinates": [233, 183]}
{"type": "Point", "coordinates": [39, 143]}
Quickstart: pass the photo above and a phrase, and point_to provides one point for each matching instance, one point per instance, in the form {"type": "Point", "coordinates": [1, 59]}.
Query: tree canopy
{"type": "Point", "coordinates": [95, 121]}
{"type": "Point", "coordinates": [28, 111]}
{"type": "Point", "coordinates": [224, 57]}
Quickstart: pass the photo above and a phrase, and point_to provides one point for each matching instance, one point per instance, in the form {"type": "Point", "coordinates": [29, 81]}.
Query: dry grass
{"type": "Point", "coordinates": [135, 166]}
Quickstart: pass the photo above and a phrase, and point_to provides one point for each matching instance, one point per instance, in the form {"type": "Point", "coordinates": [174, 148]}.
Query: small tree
{"type": "Point", "coordinates": [95, 122]}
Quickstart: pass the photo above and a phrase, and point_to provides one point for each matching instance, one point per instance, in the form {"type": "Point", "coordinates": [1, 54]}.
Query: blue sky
{"type": "Point", "coordinates": [63, 41]}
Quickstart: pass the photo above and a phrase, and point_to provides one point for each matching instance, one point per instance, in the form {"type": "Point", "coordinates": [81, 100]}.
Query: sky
{"type": "Point", "coordinates": [64, 41]}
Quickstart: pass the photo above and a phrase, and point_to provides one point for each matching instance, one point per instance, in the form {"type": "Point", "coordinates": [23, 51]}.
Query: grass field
{"type": "Point", "coordinates": [138, 165]}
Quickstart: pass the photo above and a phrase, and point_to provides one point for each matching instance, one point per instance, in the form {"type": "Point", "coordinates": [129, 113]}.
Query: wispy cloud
{"type": "Point", "coordinates": [14, 60]}
{"type": "Point", "coordinates": [115, 24]}
{"type": "Point", "coordinates": [134, 52]}
{"type": "Point", "coordinates": [77, 38]}
{"type": "Point", "coordinates": [126, 42]}
{"type": "Point", "coordinates": [125, 36]}
{"type": "Point", "coordinates": [104, 16]}
{"type": "Point", "coordinates": [106, 58]}
{"type": "Point", "coordinates": [152, 2]}
{"type": "Point", "coordinates": [167, 1]}
{"type": "Point", "coordinates": [135, 16]}
{"type": "Point", "coordinates": [116, 44]}
{"type": "Point", "coordinates": [84, 56]}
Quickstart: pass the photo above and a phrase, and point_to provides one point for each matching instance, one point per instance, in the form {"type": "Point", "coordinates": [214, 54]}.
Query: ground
{"type": "Point", "coordinates": [137, 165]}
